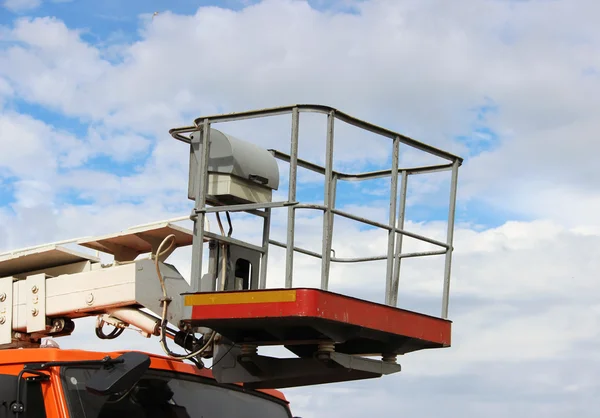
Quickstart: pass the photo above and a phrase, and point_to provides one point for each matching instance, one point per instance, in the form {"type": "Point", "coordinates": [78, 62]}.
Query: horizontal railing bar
{"type": "Point", "coordinates": [384, 257]}
{"type": "Point", "coordinates": [374, 223]}
{"type": "Point", "coordinates": [358, 260]}
{"type": "Point", "coordinates": [387, 227]}
{"type": "Point", "coordinates": [301, 163]}
{"type": "Point", "coordinates": [297, 249]}
{"type": "Point", "coordinates": [246, 207]}
{"type": "Point", "coordinates": [427, 169]}
{"type": "Point", "coordinates": [310, 206]}
{"type": "Point", "coordinates": [391, 134]}
{"type": "Point", "coordinates": [229, 117]}
{"type": "Point", "coordinates": [423, 254]}
{"type": "Point", "coordinates": [245, 115]}
{"type": "Point", "coordinates": [386, 173]}
{"type": "Point", "coordinates": [362, 176]}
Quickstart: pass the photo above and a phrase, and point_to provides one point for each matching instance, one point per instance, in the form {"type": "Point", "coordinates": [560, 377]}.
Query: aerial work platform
{"type": "Point", "coordinates": [230, 309]}
{"type": "Point", "coordinates": [331, 334]}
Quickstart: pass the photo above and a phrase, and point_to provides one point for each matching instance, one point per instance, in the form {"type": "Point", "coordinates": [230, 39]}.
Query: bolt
{"type": "Point", "coordinates": [2, 320]}
{"type": "Point", "coordinates": [57, 325]}
{"type": "Point", "coordinates": [34, 289]}
{"type": "Point", "coordinates": [34, 312]}
{"type": "Point", "coordinates": [2, 297]}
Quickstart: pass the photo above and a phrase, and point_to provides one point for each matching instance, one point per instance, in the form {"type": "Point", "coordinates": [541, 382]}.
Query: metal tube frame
{"type": "Point", "coordinates": [201, 149]}
{"type": "Point", "coordinates": [389, 273]}
{"type": "Point", "coordinates": [449, 239]}
{"type": "Point", "coordinates": [330, 200]}
{"type": "Point", "coordinates": [291, 224]}
{"type": "Point", "coordinates": [264, 259]}
{"type": "Point", "coordinates": [397, 204]}
{"type": "Point", "coordinates": [398, 258]}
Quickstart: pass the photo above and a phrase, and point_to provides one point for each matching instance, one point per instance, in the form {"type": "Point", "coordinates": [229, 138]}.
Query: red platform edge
{"type": "Point", "coordinates": [315, 303]}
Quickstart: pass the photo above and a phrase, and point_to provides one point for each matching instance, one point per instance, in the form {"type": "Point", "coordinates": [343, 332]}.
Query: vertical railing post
{"type": "Point", "coordinates": [201, 149]}
{"type": "Point", "coordinates": [392, 221]}
{"type": "Point", "coordinates": [328, 202]}
{"type": "Point", "coordinates": [264, 259]}
{"type": "Point", "coordinates": [398, 259]}
{"type": "Point", "coordinates": [213, 250]}
{"type": "Point", "coordinates": [450, 239]}
{"type": "Point", "coordinates": [289, 264]}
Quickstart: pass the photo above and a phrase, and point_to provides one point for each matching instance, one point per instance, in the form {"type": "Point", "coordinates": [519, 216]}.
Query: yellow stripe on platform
{"type": "Point", "coordinates": [240, 298]}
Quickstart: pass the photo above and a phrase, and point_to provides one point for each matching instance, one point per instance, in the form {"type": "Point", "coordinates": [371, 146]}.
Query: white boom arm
{"type": "Point", "coordinates": [43, 289]}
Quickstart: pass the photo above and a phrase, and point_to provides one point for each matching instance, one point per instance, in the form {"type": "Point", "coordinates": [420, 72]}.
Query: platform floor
{"type": "Point", "coordinates": [301, 318]}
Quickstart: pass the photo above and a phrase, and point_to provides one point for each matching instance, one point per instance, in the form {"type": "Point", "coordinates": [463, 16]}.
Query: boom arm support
{"type": "Point", "coordinates": [44, 300]}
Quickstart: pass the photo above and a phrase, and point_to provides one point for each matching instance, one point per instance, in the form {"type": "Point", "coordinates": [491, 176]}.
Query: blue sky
{"type": "Point", "coordinates": [115, 21]}
{"type": "Point", "coordinates": [112, 22]}
{"type": "Point", "coordinates": [480, 139]}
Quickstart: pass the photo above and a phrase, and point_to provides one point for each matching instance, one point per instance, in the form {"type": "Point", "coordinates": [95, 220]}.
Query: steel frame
{"type": "Point", "coordinates": [397, 205]}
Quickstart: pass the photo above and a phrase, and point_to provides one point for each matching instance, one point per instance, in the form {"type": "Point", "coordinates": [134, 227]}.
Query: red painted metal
{"type": "Point", "coordinates": [340, 309]}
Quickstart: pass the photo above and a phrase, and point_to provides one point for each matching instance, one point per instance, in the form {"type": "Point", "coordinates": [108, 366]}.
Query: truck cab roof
{"type": "Point", "coordinates": [15, 359]}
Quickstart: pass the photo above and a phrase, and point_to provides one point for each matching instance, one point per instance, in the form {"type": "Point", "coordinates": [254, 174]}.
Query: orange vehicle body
{"type": "Point", "coordinates": [12, 362]}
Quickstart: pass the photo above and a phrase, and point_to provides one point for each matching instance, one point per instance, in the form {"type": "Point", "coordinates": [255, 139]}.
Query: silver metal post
{"type": "Point", "coordinates": [212, 265]}
{"type": "Point", "coordinates": [201, 148]}
{"type": "Point", "coordinates": [398, 260]}
{"type": "Point", "coordinates": [332, 196]}
{"type": "Point", "coordinates": [392, 221]}
{"type": "Point", "coordinates": [264, 259]}
{"type": "Point", "coordinates": [449, 239]}
{"type": "Point", "coordinates": [327, 215]}
{"type": "Point", "coordinates": [289, 264]}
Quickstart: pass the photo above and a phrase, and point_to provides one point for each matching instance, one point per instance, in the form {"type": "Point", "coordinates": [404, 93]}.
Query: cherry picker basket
{"type": "Point", "coordinates": [332, 335]}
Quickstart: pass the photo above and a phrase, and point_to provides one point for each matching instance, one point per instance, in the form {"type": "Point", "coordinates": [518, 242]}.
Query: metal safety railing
{"type": "Point", "coordinates": [397, 204]}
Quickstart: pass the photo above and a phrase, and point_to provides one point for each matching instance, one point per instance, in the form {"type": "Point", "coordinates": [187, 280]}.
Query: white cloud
{"type": "Point", "coordinates": [18, 6]}
{"type": "Point", "coordinates": [439, 69]}
{"type": "Point", "coordinates": [32, 148]}
{"type": "Point", "coordinates": [21, 5]}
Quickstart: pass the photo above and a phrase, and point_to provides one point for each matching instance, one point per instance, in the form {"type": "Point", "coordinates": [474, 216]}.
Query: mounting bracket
{"type": "Point", "coordinates": [36, 303]}
{"type": "Point", "coordinates": [233, 365]}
